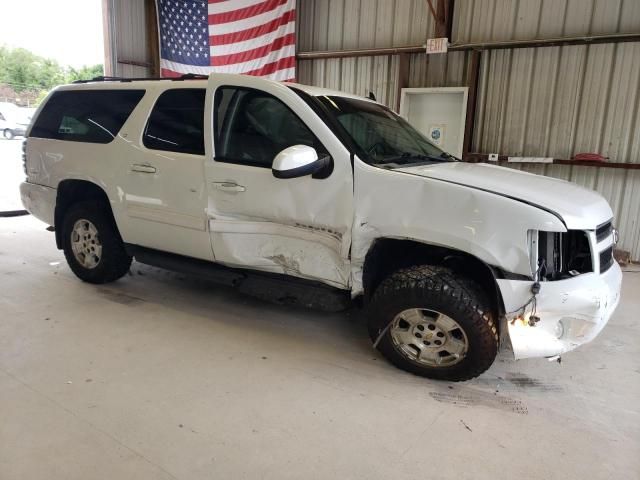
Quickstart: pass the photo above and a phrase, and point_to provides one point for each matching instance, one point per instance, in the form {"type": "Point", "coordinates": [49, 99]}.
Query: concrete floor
{"type": "Point", "coordinates": [159, 376]}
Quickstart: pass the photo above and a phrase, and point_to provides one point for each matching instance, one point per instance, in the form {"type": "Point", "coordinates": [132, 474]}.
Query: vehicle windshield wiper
{"type": "Point", "coordinates": [449, 156]}
{"type": "Point", "coordinates": [407, 157]}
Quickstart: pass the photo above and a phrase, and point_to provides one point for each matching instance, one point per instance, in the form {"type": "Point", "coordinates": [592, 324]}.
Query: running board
{"type": "Point", "coordinates": [271, 287]}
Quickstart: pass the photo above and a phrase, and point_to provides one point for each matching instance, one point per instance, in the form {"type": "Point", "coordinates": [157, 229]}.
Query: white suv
{"type": "Point", "coordinates": [307, 196]}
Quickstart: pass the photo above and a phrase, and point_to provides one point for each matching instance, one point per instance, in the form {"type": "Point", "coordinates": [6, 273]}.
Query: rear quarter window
{"type": "Point", "coordinates": [92, 116]}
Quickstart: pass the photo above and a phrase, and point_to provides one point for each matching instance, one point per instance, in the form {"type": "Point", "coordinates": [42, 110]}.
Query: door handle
{"type": "Point", "coordinates": [231, 187]}
{"type": "Point", "coordinates": [136, 167]}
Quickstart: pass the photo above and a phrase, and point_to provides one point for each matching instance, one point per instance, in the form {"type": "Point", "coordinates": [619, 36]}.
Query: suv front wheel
{"type": "Point", "coordinates": [92, 245]}
{"type": "Point", "coordinates": [431, 322]}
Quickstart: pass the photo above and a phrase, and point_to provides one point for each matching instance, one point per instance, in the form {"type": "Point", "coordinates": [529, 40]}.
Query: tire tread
{"type": "Point", "coordinates": [414, 284]}
{"type": "Point", "coordinates": [117, 261]}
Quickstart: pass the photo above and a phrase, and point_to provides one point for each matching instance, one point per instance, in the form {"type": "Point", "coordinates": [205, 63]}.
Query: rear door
{"type": "Point", "coordinates": [297, 226]}
{"type": "Point", "coordinates": [163, 183]}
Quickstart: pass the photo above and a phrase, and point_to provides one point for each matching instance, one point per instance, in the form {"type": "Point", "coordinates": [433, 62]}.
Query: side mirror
{"type": "Point", "coordinates": [299, 161]}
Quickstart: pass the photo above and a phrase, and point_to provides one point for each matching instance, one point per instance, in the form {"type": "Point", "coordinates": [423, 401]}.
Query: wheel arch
{"type": "Point", "coordinates": [72, 191]}
{"type": "Point", "coordinates": [386, 255]}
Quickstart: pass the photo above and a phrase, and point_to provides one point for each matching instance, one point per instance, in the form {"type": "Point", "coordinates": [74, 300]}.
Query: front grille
{"type": "Point", "coordinates": [563, 255]}
{"type": "Point", "coordinates": [603, 231]}
{"type": "Point", "coordinates": [606, 259]}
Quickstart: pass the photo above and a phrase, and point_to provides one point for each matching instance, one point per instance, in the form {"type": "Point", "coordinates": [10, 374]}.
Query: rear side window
{"type": "Point", "coordinates": [92, 116]}
{"type": "Point", "coordinates": [176, 123]}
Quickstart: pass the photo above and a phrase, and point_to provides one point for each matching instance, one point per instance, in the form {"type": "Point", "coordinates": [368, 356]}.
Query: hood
{"type": "Point", "coordinates": [579, 208]}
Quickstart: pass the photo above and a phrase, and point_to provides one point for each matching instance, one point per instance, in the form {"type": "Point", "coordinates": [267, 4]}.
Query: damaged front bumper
{"type": "Point", "coordinates": [572, 312]}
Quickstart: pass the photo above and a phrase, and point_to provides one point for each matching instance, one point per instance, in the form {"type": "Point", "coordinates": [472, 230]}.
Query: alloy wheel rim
{"type": "Point", "coordinates": [85, 243]}
{"type": "Point", "coordinates": [429, 337]}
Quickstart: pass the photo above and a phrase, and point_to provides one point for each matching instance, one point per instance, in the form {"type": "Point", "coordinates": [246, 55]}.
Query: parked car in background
{"type": "Point", "coordinates": [28, 113]}
{"type": "Point", "coordinates": [14, 120]}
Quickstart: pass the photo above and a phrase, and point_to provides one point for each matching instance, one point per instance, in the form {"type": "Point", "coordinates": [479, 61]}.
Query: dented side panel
{"type": "Point", "coordinates": [292, 250]}
{"type": "Point", "coordinates": [392, 204]}
{"type": "Point", "coordinates": [294, 226]}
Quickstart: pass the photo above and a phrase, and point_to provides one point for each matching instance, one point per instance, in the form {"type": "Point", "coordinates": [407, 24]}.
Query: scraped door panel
{"type": "Point", "coordinates": [281, 248]}
{"type": "Point", "coordinates": [298, 226]}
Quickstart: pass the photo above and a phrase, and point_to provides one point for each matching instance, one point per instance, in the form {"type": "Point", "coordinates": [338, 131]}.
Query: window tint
{"type": "Point", "coordinates": [176, 123]}
{"type": "Point", "coordinates": [93, 116]}
{"type": "Point", "coordinates": [2, 117]}
{"type": "Point", "coordinates": [252, 127]}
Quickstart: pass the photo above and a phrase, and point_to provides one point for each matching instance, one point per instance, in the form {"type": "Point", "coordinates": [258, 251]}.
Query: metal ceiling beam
{"type": "Point", "coordinates": [504, 160]}
{"type": "Point", "coordinates": [506, 44]}
{"type": "Point", "coordinates": [433, 10]}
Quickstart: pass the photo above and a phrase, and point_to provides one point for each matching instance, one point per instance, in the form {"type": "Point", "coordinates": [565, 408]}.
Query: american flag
{"type": "Point", "coordinates": [253, 37]}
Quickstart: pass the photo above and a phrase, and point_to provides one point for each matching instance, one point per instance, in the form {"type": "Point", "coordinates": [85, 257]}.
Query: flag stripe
{"type": "Point", "coordinates": [259, 52]}
{"type": "Point", "coordinates": [254, 65]}
{"type": "Point", "coordinates": [237, 36]}
{"type": "Point", "coordinates": [284, 75]}
{"type": "Point", "coordinates": [269, 68]}
{"type": "Point", "coordinates": [220, 6]}
{"type": "Point", "coordinates": [243, 13]}
{"type": "Point", "coordinates": [245, 23]}
{"type": "Point", "coordinates": [166, 73]}
{"type": "Point", "coordinates": [182, 68]}
{"type": "Point", "coordinates": [253, 42]}
{"type": "Point", "coordinates": [173, 70]}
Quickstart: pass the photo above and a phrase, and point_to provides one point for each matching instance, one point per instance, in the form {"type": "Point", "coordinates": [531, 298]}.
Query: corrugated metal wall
{"type": "Point", "coordinates": [342, 24]}
{"type": "Point", "coordinates": [128, 38]}
{"type": "Point", "coordinates": [551, 101]}
{"type": "Point", "coordinates": [493, 20]}
{"type": "Point", "coordinates": [559, 101]}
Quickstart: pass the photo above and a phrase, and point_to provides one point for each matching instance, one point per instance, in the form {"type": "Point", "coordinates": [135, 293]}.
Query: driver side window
{"type": "Point", "coordinates": [251, 127]}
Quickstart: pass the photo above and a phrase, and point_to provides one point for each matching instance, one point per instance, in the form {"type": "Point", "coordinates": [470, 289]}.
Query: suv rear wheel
{"type": "Point", "coordinates": [431, 322]}
{"type": "Point", "coordinates": [8, 134]}
{"type": "Point", "coordinates": [92, 245]}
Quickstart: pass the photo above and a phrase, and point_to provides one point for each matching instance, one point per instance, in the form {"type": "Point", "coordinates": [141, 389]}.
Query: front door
{"type": "Point", "coordinates": [297, 226]}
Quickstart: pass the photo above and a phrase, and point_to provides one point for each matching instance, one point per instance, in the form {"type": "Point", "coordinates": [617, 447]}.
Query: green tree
{"type": "Point", "coordinates": [84, 73]}
{"type": "Point", "coordinates": [24, 71]}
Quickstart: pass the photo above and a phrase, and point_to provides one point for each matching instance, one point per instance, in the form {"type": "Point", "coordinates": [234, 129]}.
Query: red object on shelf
{"type": "Point", "coordinates": [590, 157]}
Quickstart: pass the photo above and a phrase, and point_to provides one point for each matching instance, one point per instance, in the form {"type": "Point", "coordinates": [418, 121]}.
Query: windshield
{"type": "Point", "coordinates": [382, 137]}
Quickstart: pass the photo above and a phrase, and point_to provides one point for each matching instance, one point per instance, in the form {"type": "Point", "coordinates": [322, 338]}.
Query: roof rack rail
{"type": "Point", "coordinates": [186, 76]}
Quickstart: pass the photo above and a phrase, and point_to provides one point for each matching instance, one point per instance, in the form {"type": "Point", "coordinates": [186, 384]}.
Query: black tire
{"type": "Point", "coordinates": [8, 134]}
{"type": "Point", "coordinates": [114, 261]}
{"type": "Point", "coordinates": [435, 289]}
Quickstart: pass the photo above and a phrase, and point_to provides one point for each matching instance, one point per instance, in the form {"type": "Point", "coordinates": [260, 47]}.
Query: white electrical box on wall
{"type": "Point", "coordinates": [438, 113]}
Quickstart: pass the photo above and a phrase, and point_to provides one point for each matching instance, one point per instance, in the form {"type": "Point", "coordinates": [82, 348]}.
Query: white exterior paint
{"type": "Point", "coordinates": [572, 312]}
{"type": "Point", "coordinates": [579, 207]}
{"type": "Point", "coordinates": [294, 157]}
{"type": "Point", "coordinates": [322, 229]}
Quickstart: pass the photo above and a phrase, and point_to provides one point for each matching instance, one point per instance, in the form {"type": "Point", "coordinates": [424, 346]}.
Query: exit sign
{"type": "Point", "coordinates": [437, 45]}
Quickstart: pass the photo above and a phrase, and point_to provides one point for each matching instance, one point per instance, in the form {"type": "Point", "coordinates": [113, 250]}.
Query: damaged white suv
{"type": "Point", "coordinates": [308, 196]}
